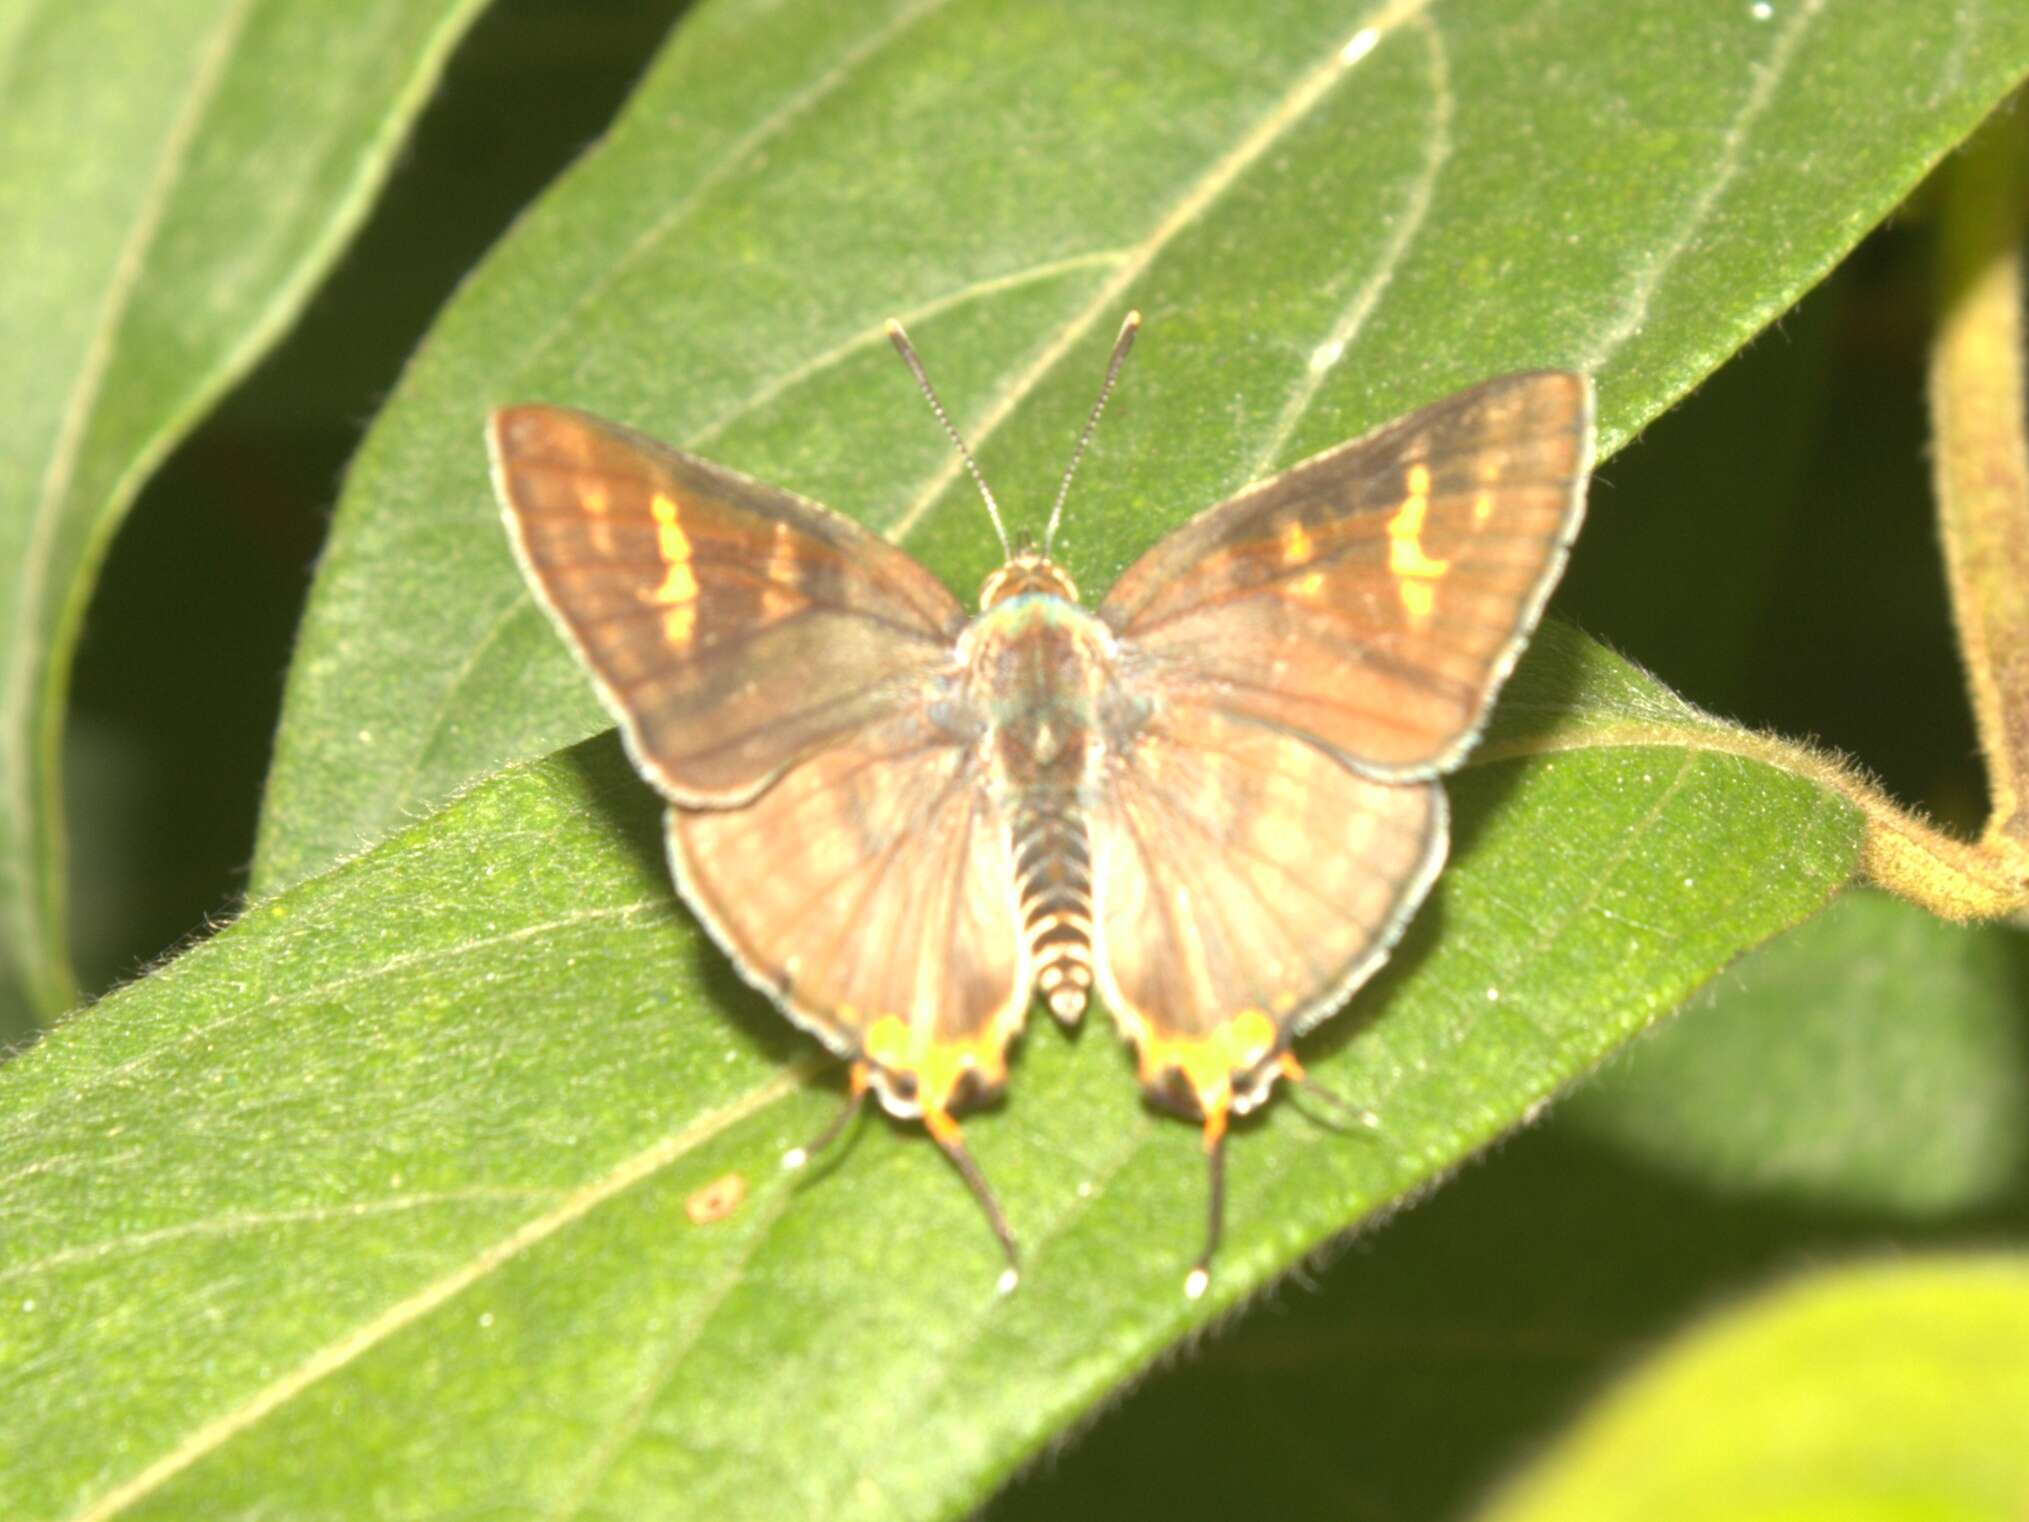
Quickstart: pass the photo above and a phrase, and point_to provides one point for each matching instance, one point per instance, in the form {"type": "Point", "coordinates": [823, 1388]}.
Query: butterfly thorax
{"type": "Point", "coordinates": [1041, 668]}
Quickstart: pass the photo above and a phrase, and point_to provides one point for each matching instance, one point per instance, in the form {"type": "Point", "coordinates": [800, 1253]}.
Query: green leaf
{"type": "Point", "coordinates": [1895, 1393]}
{"type": "Point", "coordinates": [384, 1187]}
{"type": "Point", "coordinates": [178, 174]}
{"type": "Point", "coordinates": [1853, 1089]}
{"type": "Point", "coordinates": [1489, 187]}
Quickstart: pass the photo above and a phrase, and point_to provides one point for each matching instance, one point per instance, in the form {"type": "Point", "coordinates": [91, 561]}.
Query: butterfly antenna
{"type": "Point", "coordinates": [907, 350]}
{"type": "Point", "coordinates": [1121, 345]}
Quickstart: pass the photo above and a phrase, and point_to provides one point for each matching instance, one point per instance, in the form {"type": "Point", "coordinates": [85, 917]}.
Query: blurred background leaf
{"type": "Point", "coordinates": [173, 714]}
{"type": "Point", "coordinates": [177, 177]}
{"type": "Point", "coordinates": [1894, 1391]}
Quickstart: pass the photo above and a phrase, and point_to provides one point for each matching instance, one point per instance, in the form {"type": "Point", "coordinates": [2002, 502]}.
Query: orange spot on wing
{"type": "Point", "coordinates": [1208, 1062]}
{"type": "Point", "coordinates": [946, 1062]}
{"type": "Point", "coordinates": [938, 1065]}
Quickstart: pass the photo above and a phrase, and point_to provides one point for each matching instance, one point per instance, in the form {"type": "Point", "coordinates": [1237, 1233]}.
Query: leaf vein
{"type": "Point", "coordinates": [1346, 331]}
{"type": "Point", "coordinates": [343, 1351]}
{"type": "Point", "coordinates": [1649, 276]}
{"type": "Point", "coordinates": [1290, 109]}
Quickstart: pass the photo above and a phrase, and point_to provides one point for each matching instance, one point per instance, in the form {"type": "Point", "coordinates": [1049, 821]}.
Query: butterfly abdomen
{"type": "Point", "coordinates": [1040, 663]}
{"type": "Point", "coordinates": [1053, 871]}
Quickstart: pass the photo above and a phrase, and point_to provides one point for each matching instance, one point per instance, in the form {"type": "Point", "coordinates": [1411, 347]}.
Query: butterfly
{"type": "Point", "coordinates": [1212, 801]}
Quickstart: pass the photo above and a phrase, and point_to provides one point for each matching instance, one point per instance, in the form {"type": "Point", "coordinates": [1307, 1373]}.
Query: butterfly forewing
{"type": "Point", "coordinates": [1374, 597]}
{"type": "Point", "coordinates": [733, 628]}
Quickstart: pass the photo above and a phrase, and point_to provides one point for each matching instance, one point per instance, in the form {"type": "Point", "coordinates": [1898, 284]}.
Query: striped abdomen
{"type": "Point", "coordinates": [1053, 868]}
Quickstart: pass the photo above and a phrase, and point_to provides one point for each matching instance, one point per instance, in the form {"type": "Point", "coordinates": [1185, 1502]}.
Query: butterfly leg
{"type": "Point", "coordinates": [944, 1131]}
{"type": "Point", "coordinates": [1298, 1078]}
{"type": "Point", "coordinates": [1200, 1276]}
{"type": "Point", "coordinates": [856, 1092]}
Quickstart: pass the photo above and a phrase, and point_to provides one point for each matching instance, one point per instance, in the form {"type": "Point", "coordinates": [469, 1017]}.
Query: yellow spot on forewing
{"type": "Point", "coordinates": [679, 582]}
{"type": "Point", "coordinates": [1296, 544]}
{"type": "Point", "coordinates": [594, 499]}
{"type": "Point", "coordinates": [678, 585]}
{"type": "Point", "coordinates": [671, 542]}
{"type": "Point", "coordinates": [1482, 506]}
{"type": "Point", "coordinates": [1412, 567]}
{"type": "Point", "coordinates": [1309, 587]}
{"type": "Point", "coordinates": [781, 555]}
{"type": "Point", "coordinates": [779, 573]}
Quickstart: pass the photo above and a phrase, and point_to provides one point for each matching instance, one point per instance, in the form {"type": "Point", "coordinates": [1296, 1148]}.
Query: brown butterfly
{"type": "Point", "coordinates": [1213, 802]}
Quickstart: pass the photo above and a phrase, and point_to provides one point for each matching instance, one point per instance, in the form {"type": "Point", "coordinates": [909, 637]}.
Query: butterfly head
{"type": "Point", "coordinates": [1027, 574]}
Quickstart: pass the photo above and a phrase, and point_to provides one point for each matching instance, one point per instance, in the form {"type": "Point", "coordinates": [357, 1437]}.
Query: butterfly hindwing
{"type": "Point", "coordinates": [1374, 596]}
{"type": "Point", "coordinates": [1245, 881]}
{"type": "Point", "coordinates": [733, 628]}
{"type": "Point", "coordinates": [869, 890]}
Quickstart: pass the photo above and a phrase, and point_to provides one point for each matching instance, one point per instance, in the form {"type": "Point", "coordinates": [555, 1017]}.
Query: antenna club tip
{"type": "Point", "coordinates": [1196, 1282]}
{"type": "Point", "coordinates": [893, 329]}
{"type": "Point", "coordinates": [1005, 1284]}
{"type": "Point", "coordinates": [795, 1158]}
{"type": "Point", "coordinates": [1132, 321]}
